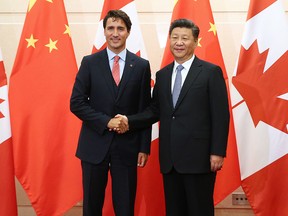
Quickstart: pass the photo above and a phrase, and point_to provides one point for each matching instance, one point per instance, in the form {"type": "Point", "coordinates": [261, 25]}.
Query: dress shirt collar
{"type": "Point", "coordinates": [186, 64]}
{"type": "Point", "coordinates": [122, 54]}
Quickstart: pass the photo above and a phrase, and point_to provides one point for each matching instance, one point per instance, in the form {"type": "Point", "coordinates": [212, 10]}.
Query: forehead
{"type": "Point", "coordinates": [116, 22]}
{"type": "Point", "coordinates": [182, 31]}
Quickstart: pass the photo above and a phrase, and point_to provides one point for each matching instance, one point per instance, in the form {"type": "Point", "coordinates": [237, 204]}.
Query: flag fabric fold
{"type": "Point", "coordinates": [260, 107]}
{"type": "Point", "coordinates": [8, 204]}
{"type": "Point", "coordinates": [228, 179]}
{"type": "Point", "coordinates": [45, 133]}
{"type": "Point", "coordinates": [150, 193]}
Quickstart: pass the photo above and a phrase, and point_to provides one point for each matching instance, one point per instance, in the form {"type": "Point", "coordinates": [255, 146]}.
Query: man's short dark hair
{"type": "Point", "coordinates": [185, 23]}
{"type": "Point", "coordinates": [118, 14]}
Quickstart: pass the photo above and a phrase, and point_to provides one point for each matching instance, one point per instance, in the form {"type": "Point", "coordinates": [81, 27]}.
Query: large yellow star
{"type": "Point", "coordinates": [212, 28]}
{"type": "Point", "coordinates": [67, 31]}
{"type": "Point", "coordinates": [52, 45]}
{"type": "Point", "coordinates": [31, 41]}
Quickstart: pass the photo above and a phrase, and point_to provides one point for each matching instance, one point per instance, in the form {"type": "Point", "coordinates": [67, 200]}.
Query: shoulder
{"type": "Point", "coordinates": [211, 70]}
{"type": "Point", "coordinates": [164, 70]}
{"type": "Point", "coordinates": [136, 58]}
{"type": "Point", "coordinates": [205, 64]}
{"type": "Point", "coordinates": [95, 56]}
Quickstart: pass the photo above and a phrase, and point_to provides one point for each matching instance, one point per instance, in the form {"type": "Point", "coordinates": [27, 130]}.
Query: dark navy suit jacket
{"type": "Point", "coordinates": [96, 99]}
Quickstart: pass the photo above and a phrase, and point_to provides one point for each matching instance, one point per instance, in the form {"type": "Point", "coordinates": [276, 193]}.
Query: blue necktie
{"type": "Point", "coordinates": [177, 84]}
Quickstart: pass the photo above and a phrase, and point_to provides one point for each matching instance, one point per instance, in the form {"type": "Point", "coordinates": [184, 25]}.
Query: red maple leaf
{"type": "Point", "coordinates": [261, 90]}
{"type": "Point", "coordinates": [1, 115]}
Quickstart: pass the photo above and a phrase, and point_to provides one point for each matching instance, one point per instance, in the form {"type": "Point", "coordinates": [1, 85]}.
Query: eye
{"type": "Point", "coordinates": [121, 29]}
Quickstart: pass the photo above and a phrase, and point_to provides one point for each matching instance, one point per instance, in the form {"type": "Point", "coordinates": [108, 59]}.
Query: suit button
{"type": "Point", "coordinates": [173, 117]}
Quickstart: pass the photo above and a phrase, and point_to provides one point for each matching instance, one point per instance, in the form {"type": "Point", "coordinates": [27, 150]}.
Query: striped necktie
{"type": "Point", "coordinates": [116, 70]}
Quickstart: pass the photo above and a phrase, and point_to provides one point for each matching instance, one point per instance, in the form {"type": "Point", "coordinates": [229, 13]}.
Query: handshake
{"type": "Point", "coordinates": [118, 124]}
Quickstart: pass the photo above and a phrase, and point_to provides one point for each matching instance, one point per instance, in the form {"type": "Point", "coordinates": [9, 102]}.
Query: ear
{"type": "Point", "coordinates": [196, 42]}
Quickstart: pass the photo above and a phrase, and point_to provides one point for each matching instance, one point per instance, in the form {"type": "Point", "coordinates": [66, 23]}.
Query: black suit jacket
{"type": "Point", "coordinates": [198, 125]}
{"type": "Point", "coordinates": [96, 99]}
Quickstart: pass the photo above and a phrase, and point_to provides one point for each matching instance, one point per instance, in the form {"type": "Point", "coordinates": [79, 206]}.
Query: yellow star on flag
{"type": "Point", "coordinates": [199, 39]}
{"type": "Point", "coordinates": [31, 41]}
{"type": "Point", "coordinates": [212, 28]}
{"type": "Point", "coordinates": [31, 4]}
{"type": "Point", "coordinates": [67, 31]}
{"type": "Point", "coordinates": [52, 45]}
{"type": "Point", "coordinates": [51, 1]}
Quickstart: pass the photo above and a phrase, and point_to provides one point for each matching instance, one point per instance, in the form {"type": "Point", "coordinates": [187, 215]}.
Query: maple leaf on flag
{"type": "Point", "coordinates": [262, 90]}
{"type": "Point", "coordinates": [1, 114]}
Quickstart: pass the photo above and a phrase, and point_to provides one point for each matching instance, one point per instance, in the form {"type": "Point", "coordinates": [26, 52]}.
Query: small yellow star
{"type": "Point", "coordinates": [51, 1]}
{"type": "Point", "coordinates": [52, 45]}
{"type": "Point", "coordinates": [199, 39]}
{"type": "Point", "coordinates": [67, 31]}
{"type": "Point", "coordinates": [212, 28]}
{"type": "Point", "coordinates": [31, 4]}
{"type": "Point", "coordinates": [31, 41]}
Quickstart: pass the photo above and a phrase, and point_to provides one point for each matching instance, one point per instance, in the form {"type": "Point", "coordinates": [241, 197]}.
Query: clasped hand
{"type": "Point", "coordinates": [119, 124]}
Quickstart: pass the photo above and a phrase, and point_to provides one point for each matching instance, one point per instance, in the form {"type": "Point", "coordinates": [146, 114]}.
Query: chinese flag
{"type": "Point", "coordinates": [260, 107]}
{"type": "Point", "coordinates": [8, 205]}
{"type": "Point", "coordinates": [228, 179]}
{"type": "Point", "coordinates": [150, 194]}
{"type": "Point", "coordinates": [45, 132]}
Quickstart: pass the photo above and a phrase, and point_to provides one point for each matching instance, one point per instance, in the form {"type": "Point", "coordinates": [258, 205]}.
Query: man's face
{"type": "Point", "coordinates": [182, 44]}
{"type": "Point", "coordinates": [116, 34]}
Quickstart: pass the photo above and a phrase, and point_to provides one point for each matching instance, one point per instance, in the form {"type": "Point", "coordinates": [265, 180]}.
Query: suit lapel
{"type": "Point", "coordinates": [104, 68]}
{"type": "Point", "coordinates": [191, 76]}
{"type": "Point", "coordinates": [128, 69]}
{"type": "Point", "coordinates": [168, 81]}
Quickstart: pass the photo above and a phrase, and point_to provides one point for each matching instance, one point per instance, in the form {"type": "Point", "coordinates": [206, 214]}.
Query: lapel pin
{"type": "Point", "coordinates": [131, 65]}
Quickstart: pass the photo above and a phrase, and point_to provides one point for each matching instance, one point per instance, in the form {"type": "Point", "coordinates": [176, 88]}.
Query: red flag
{"type": "Point", "coordinates": [8, 205]}
{"type": "Point", "coordinates": [228, 179]}
{"type": "Point", "coordinates": [150, 193]}
{"type": "Point", "coordinates": [260, 107]}
{"type": "Point", "coordinates": [45, 132]}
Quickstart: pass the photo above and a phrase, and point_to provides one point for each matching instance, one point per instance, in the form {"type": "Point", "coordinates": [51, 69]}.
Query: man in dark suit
{"type": "Point", "coordinates": [194, 119]}
{"type": "Point", "coordinates": [96, 98]}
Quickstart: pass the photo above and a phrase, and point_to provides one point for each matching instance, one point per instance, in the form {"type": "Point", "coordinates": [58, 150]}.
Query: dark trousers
{"type": "Point", "coordinates": [189, 194]}
{"type": "Point", "coordinates": [95, 179]}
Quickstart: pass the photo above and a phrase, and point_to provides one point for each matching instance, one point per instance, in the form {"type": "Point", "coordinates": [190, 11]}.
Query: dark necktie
{"type": "Point", "coordinates": [177, 84]}
{"type": "Point", "coordinates": [116, 70]}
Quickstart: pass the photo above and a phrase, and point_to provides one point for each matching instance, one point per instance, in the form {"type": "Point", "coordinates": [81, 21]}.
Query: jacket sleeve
{"type": "Point", "coordinates": [149, 116]}
{"type": "Point", "coordinates": [219, 111]}
{"type": "Point", "coordinates": [80, 104]}
{"type": "Point", "coordinates": [145, 95]}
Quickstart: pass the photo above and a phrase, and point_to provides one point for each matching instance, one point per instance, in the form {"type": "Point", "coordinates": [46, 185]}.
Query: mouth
{"type": "Point", "coordinates": [178, 50]}
{"type": "Point", "coordinates": [114, 38]}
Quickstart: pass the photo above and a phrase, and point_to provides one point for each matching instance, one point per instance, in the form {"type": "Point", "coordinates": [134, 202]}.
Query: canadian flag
{"type": "Point", "coordinates": [150, 194]}
{"type": "Point", "coordinates": [8, 204]}
{"type": "Point", "coordinates": [260, 108]}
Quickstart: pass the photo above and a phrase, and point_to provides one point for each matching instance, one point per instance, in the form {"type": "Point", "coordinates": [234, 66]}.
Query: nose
{"type": "Point", "coordinates": [115, 32]}
{"type": "Point", "coordinates": [179, 42]}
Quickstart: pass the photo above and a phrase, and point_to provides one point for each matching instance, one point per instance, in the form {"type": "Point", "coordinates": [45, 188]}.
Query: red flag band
{"type": "Point", "coordinates": [8, 205]}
